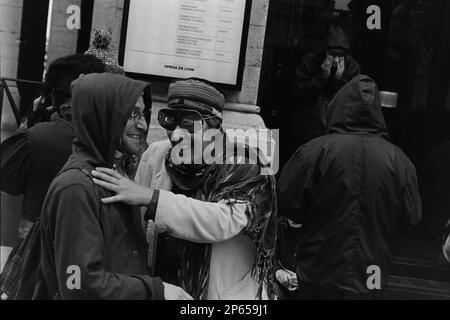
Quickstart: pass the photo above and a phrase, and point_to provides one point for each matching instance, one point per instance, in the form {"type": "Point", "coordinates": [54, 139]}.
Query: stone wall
{"type": "Point", "coordinates": [108, 15]}
{"type": "Point", "coordinates": [10, 23]}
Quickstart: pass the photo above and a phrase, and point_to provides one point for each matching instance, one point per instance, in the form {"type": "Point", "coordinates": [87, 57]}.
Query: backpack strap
{"type": "Point", "coordinates": [45, 288]}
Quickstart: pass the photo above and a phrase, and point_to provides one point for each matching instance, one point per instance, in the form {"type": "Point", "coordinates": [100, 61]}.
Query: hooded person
{"type": "Point", "coordinates": [105, 244]}
{"type": "Point", "coordinates": [32, 157]}
{"type": "Point", "coordinates": [216, 220]}
{"type": "Point", "coordinates": [320, 74]}
{"type": "Point", "coordinates": [350, 189]}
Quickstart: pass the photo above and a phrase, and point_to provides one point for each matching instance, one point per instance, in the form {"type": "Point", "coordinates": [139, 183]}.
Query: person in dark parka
{"type": "Point", "coordinates": [32, 157]}
{"type": "Point", "coordinates": [350, 189]}
{"type": "Point", "coordinates": [105, 242]}
{"type": "Point", "coordinates": [320, 74]}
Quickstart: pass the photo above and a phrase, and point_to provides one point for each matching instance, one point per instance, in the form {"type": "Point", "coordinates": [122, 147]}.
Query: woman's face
{"type": "Point", "coordinates": [135, 134]}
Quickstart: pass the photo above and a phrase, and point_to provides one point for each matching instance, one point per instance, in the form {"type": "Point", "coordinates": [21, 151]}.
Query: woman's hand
{"type": "Point", "coordinates": [127, 191]}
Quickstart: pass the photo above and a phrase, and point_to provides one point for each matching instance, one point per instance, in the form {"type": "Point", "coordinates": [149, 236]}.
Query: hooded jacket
{"type": "Point", "coordinates": [103, 245]}
{"type": "Point", "coordinates": [351, 189]}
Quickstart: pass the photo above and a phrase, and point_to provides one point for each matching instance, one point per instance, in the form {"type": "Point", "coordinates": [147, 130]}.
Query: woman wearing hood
{"type": "Point", "coordinates": [90, 250]}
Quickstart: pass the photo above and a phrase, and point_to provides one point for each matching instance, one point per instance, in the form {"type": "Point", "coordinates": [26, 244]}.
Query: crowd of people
{"type": "Point", "coordinates": [133, 222]}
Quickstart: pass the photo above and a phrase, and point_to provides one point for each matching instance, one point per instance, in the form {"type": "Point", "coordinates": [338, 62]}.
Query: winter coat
{"type": "Point", "coordinates": [30, 160]}
{"type": "Point", "coordinates": [103, 243]}
{"type": "Point", "coordinates": [350, 189]}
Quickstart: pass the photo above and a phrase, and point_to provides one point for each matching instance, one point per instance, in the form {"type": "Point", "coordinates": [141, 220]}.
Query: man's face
{"type": "Point", "coordinates": [189, 132]}
{"type": "Point", "coordinates": [135, 133]}
{"type": "Point", "coordinates": [189, 140]}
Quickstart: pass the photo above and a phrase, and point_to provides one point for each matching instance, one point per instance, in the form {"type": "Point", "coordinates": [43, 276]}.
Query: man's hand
{"type": "Point", "coordinates": [172, 292]}
{"type": "Point", "coordinates": [287, 278]}
{"type": "Point", "coordinates": [326, 67]}
{"type": "Point", "coordinates": [127, 191]}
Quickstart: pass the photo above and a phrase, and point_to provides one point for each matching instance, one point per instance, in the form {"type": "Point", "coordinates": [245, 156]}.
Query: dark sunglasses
{"type": "Point", "coordinates": [185, 119]}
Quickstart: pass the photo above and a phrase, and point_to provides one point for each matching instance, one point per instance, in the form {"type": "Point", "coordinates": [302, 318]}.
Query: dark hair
{"type": "Point", "coordinates": [63, 71]}
{"type": "Point", "coordinates": [147, 97]}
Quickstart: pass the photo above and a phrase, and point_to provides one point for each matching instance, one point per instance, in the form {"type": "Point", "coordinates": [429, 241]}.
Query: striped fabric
{"type": "Point", "coordinates": [197, 94]}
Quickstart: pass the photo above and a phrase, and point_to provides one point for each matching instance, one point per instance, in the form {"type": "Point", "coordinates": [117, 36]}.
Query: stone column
{"type": "Point", "coordinates": [253, 57]}
{"type": "Point", "coordinates": [10, 23]}
{"type": "Point", "coordinates": [107, 15]}
{"type": "Point", "coordinates": [62, 41]}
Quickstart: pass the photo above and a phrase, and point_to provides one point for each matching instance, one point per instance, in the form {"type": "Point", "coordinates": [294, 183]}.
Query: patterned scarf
{"type": "Point", "coordinates": [126, 164]}
{"type": "Point", "coordinates": [234, 183]}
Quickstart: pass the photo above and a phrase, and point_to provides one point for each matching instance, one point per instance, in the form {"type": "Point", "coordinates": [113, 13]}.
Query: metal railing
{"type": "Point", "coordinates": [4, 88]}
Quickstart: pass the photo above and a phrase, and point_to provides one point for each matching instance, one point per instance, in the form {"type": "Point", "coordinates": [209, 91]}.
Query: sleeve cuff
{"type": "Point", "coordinates": [159, 289]}
{"type": "Point", "coordinates": [154, 286]}
{"type": "Point", "coordinates": [151, 211]}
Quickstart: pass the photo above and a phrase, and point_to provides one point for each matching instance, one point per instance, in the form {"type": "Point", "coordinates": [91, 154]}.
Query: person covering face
{"type": "Point", "coordinates": [319, 76]}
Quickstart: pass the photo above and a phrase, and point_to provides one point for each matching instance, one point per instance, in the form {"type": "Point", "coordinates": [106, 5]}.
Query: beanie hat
{"type": "Point", "coordinates": [196, 94]}
{"type": "Point", "coordinates": [100, 49]}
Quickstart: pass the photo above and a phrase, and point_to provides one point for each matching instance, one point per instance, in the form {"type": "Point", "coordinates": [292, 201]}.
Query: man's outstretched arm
{"type": "Point", "coordinates": [180, 216]}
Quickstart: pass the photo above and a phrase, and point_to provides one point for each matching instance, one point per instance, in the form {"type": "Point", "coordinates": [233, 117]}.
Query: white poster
{"type": "Point", "coordinates": [185, 38]}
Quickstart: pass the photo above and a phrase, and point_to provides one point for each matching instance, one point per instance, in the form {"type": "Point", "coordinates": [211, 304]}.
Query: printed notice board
{"type": "Point", "coordinates": [186, 38]}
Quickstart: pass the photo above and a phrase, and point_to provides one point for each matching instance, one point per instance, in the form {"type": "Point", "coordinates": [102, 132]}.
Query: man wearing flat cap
{"type": "Point", "coordinates": [215, 218]}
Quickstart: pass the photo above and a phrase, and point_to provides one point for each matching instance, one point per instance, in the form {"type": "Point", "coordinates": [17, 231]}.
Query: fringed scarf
{"type": "Point", "coordinates": [126, 164]}
{"type": "Point", "coordinates": [236, 183]}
